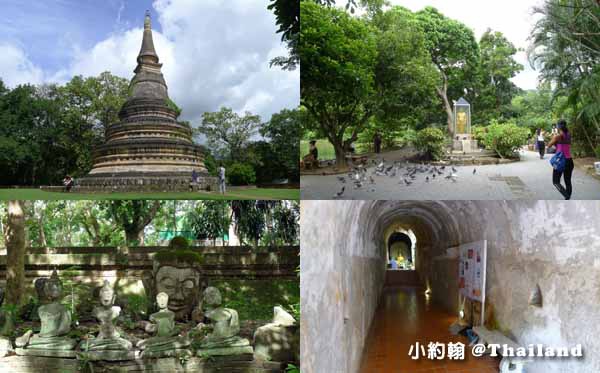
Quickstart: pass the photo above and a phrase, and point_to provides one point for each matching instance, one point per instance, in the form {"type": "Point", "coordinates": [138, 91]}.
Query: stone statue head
{"type": "Point", "coordinates": [49, 289]}
{"type": "Point", "coordinates": [107, 294]}
{"type": "Point", "coordinates": [177, 276]}
{"type": "Point", "coordinates": [162, 300]}
{"type": "Point", "coordinates": [181, 284]}
{"type": "Point", "coordinates": [212, 298]}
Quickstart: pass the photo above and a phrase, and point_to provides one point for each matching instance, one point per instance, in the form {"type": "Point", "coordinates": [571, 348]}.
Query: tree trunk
{"type": "Point", "coordinates": [443, 93]}
{"type": "Point", "coordinates": [135, 234]}
{"type": "Point", "coordinates": [340, 154]}
{"type": "Point", "coordinates": [15, 253]}
{"type": "Point", "coordinates": [41, 232]}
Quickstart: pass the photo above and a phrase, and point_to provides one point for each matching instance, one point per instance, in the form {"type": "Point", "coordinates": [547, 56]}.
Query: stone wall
{"type": "Point", "coordinates": [126, 265]}
{"type": "Point", "coordinates": [555, 244]}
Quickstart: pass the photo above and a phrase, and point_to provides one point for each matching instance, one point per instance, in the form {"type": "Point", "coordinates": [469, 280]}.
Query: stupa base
{"type": "Point", "coordinates": [145, 182]}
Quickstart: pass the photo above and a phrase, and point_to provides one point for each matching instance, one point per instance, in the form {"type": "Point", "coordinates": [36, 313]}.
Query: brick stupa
{"type": "Point", "coordinates": [148, 149]}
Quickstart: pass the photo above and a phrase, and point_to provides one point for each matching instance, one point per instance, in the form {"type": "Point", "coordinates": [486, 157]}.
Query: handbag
{"type": "Point", "coordinates": [558, 161]}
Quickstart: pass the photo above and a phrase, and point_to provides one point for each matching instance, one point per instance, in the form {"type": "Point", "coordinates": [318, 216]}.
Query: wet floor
{"type": "Point", "coordinates": [406, 316]}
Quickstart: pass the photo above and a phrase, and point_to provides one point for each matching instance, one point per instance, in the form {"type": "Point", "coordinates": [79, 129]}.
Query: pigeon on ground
{"type": "Point", "coordinates": [452, 177]}
{"type": "Point", "coordinates": [474, 171]}
{"type": "Point", "coordinates": [340, 193]}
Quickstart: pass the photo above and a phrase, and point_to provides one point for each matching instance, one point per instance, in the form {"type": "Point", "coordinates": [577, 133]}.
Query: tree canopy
{"type": "Point", "coordinates": [566, 50]}
{"type": "Point", "coordinates": [145, 222]}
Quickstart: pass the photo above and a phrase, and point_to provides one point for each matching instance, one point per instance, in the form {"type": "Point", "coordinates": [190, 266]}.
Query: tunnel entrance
{"type": "Point", "coordinates": [401, 251]}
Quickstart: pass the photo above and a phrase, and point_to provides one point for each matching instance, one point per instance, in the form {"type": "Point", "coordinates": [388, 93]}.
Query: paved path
{"type": "Point", "coordinates": [531, 178]}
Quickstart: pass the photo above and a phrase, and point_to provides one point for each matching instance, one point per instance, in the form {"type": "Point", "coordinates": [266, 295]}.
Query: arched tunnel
{"type": "Point", "coordinates": [347, 303]}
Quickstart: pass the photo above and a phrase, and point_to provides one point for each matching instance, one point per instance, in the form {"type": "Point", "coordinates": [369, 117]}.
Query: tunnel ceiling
{"type": "Point", "coordinates": [437, 224]}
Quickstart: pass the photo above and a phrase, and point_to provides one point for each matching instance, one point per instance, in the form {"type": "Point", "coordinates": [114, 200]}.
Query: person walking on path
{"type": "Point", "coordinates": [541, 145]}
{"type": "Point", "coordinates": [221, 172]}
{"type": "Point", "coordinates": [377, 142]}
{"type": "Point", "coordinates": [563, 145]}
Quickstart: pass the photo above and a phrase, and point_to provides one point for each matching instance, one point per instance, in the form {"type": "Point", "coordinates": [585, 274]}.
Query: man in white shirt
{"type": "Point", "coordinates": [221, 172]}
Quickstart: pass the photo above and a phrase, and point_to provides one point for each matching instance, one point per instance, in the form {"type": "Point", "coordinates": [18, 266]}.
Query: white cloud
{"type": "Point", "coordinates": [213, 53]}
{"type": "Point", "coordinates": [16, 68]}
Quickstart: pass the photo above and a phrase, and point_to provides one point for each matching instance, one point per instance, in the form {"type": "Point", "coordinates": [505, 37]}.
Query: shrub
{"type": "Point", "coordinates": [597, 151]}
{"type": "Point", "coordinates": [431, 142]}
{"type": "Point", "coordinates": [479, 133]}
{"type": "Point", "coordinates": [505, 138]}
{"type": "Point", "coordinates": [179, 243]}
{"type": "Point", "coordinates": [241, 174]}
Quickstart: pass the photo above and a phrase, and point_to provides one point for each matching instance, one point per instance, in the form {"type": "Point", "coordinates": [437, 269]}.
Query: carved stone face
{"type": "Point", "coordinates": [53, 290]}
{"type": "Point", "coordinates": [182, 286]}
{"type": "Point", "coordinates": [106, 297]}
{"type": "Point", "coordinates": [162, 300]}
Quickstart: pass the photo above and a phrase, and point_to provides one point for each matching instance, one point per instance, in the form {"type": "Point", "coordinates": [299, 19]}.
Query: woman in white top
{"type": "Point", "coordinates": [541, 144]}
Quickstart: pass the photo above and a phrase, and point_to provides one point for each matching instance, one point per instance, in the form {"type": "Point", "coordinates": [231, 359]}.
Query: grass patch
{"type": "Point", "coordinates": [255, 299]}
{"type": "Point", "coordinates": [326, 150]}
{"type": "Point", "coordinates": [234, 193]}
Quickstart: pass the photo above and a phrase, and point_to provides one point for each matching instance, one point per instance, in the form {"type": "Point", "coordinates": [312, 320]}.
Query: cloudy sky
{"type": "Point", "coordinates": [511, 17]}
{"type": "Point", "coordinates": [214, 52]}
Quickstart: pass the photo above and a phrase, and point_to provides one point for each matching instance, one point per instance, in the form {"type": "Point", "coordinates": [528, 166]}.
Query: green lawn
{"type": "Point", "coordinates": [233, 193]}
{"type": "Point", "coordinates": [326, 151]}
{"type": "Point", "coordinates": [324, 147]}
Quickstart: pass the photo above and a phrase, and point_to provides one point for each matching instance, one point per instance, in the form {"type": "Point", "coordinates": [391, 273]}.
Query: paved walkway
{"type": "Point", "coordinates": [404, 317]}
{"type": "Point", "coordinates": [531, 178]}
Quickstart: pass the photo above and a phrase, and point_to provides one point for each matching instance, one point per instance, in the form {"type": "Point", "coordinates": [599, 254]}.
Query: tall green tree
{"type": "Point", "coordinates": [49, 131]}
{"type": "Point", "coordinates": [132, 216]}
{"type": "Point", "coordinates": [283, 132]}
{"type": "Point", "coordinates": [287, 14]}
{"type": "Point", "coordinates": [229, 133]}
{"type": "Point", "coordinates": [497, 67]}
{"type": "Point", "coordinates": [211, 219]}
{"type": "Point", "coordinates": [338, 54]}
{"type": "Point", "coordinates": [404, 76]}
{"type": "Point", "coordinates": [454, 52]}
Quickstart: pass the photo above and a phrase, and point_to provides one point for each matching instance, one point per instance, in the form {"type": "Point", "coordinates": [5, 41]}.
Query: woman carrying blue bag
{"type": "Point", "coordinates": [561, 162]}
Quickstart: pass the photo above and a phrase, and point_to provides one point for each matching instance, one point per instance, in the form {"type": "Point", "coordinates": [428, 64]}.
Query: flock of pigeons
{"type": "Point", "coordinates": [406, 174]}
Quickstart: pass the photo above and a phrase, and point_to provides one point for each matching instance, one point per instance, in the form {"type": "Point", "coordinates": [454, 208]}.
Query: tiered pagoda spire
{"type": "Point", "coordinates": [148, 148]}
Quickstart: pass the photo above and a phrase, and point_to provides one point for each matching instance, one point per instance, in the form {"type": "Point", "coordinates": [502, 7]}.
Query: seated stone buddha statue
{"type": "Point", "coordinates": [54, 317]}
{"type": "Point", "coordinates": [108, 337]}
{"type": "Point", "coordinates": [167, 341]}
{"type": "Point", "coordinates": [224, 327]}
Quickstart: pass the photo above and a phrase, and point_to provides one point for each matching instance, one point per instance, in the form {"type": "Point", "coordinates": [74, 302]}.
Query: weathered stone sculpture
{"type": "Point", "coordinates": [179, 277]}
{"type": "Point", "coordinates": [225, 326]}
{"type": "Point", "coordinates": [108, 344]}
{"type": "Point", "coordinates": [6, 326]}
{"type": "Point", "coordinates": [55, 320]}
{"type": "Point", "coordinates": [279, 340]}
{"type": "Point", "coordinates": [166, 342]}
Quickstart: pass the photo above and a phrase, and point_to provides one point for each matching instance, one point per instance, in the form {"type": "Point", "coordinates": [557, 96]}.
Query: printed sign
{"type": "Point", "coordinates": [472, 266]}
